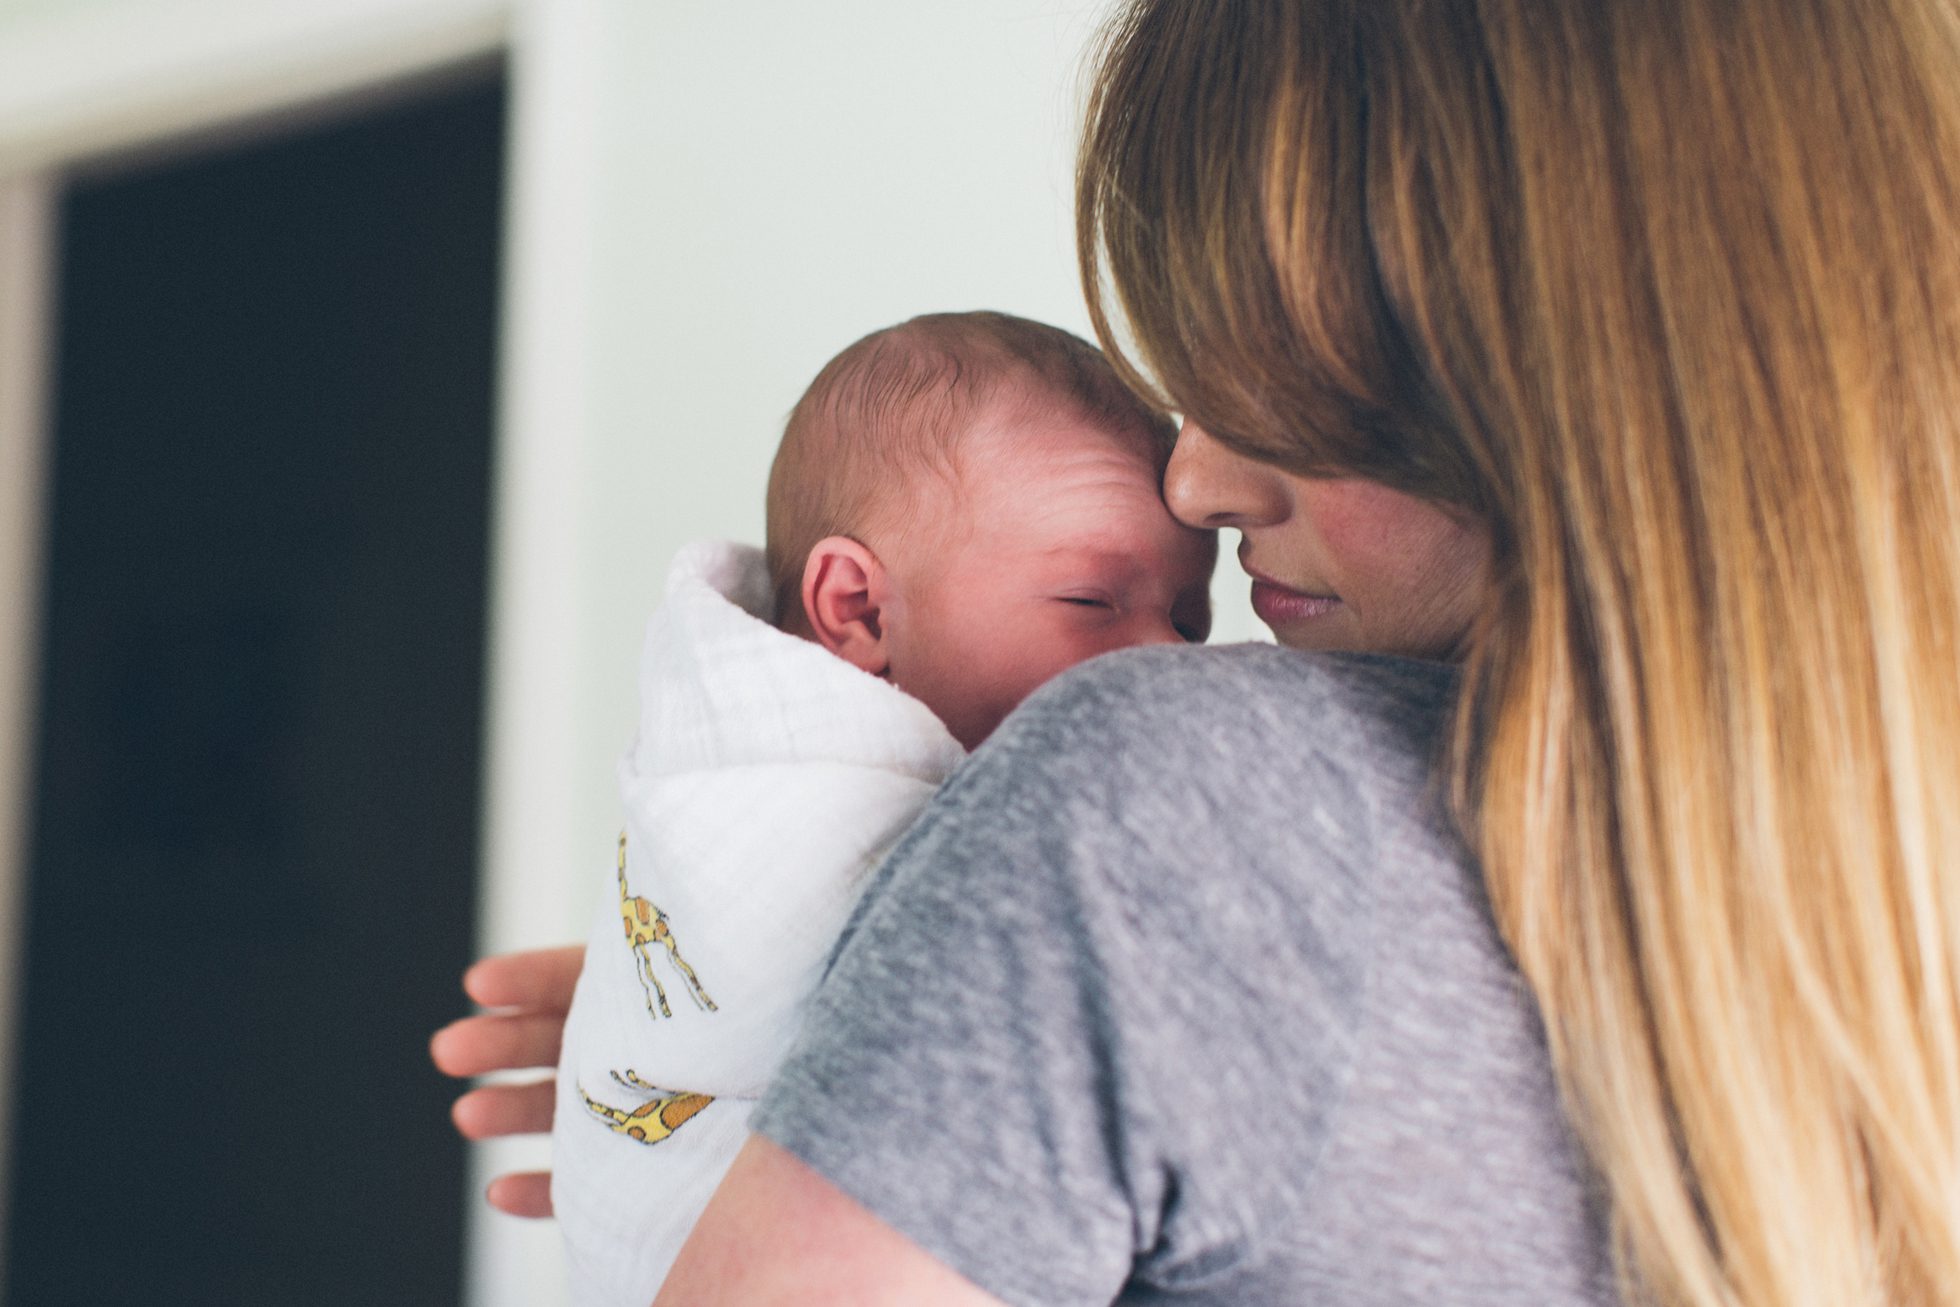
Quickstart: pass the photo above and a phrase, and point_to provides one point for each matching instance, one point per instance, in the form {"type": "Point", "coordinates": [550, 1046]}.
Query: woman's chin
{"type": "Point", "coordinates": [1333, 632]}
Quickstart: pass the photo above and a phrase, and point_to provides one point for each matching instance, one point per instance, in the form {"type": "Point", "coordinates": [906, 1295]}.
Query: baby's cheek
{"type": "Point", "coordinates": [1044, 650]}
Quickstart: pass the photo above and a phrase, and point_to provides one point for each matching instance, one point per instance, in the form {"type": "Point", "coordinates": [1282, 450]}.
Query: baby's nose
{"type": "Point", "coordinates": [1158, 630]}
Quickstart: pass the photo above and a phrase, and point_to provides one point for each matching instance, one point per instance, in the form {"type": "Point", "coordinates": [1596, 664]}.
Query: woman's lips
{"type": "Point", "coordinates": [1277, 605]}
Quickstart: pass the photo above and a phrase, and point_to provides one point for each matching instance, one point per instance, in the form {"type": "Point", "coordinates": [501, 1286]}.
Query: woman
{"type": "Point", "coordinates": [1612, 349]}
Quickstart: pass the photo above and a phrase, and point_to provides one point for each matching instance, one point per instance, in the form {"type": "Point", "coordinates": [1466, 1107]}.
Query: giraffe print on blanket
{"type": "Point", "coordinates": [652, 1121]}
{"type": "Point", "coordinates": [646, 926]}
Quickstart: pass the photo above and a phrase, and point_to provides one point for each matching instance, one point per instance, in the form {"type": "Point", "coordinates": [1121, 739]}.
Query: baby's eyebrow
{"type": "Point", "coordinates": [1102, 558]}
{"type": "Point", "coordinates": [1089, 550]}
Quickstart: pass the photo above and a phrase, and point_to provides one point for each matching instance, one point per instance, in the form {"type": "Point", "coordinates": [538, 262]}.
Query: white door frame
{"type": "Point", "coordinates": [26, 261]}
{"type": "Point", "coordinates": [123, 75]}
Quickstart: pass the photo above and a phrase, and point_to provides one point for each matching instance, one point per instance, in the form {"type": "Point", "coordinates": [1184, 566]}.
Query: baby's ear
{"type": "Point", "coordinates": [844, 596]}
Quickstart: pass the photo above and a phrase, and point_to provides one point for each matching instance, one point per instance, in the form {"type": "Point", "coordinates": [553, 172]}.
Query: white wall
{"type": "Point", "coordinates": [13, 9]}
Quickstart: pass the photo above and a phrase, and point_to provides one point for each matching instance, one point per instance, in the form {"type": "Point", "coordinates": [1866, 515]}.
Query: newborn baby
{"type": "Point", "coordinates": [962, 506]}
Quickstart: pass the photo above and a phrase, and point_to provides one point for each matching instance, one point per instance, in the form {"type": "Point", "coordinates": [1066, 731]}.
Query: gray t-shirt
{"type": "Point", "coordinates": [1183, 991]}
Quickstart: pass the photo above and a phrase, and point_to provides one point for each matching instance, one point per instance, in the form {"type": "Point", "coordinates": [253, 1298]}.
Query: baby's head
{"type": "Point", "coordinates": [967, 504]}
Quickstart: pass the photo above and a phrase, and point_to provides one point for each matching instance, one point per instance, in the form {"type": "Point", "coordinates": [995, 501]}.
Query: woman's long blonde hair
{"type": "Point", "coordinates": [1668, 291]}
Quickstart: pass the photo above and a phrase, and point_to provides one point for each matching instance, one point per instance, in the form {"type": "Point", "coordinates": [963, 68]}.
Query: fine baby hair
{"type": "Point", "coordinates": [886, 416]}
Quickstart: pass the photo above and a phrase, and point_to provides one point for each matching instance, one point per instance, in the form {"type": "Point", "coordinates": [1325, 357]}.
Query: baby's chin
{"type": "Point", "coordinates": [973, 723]}
{"type": "Point", "coordinates": [971, 726]}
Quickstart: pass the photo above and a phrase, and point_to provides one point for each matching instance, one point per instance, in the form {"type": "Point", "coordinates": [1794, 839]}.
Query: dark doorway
{"type": "Point", "coordinates": [252, 859]}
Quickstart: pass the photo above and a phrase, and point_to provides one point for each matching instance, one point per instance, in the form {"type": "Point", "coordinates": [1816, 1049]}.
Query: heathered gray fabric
{"type": "Point", "coordinates": [1181, 992]}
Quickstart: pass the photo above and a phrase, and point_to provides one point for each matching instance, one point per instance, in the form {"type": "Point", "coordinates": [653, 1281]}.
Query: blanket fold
{"type": "Point", "coordinates": [766, 779]}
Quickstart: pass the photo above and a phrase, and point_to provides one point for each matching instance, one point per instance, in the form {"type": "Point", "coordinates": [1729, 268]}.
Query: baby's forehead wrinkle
{"type": "Point", "coordinates": [1103, 520]}
{"type": "Point", "coordinates": [1087, 461]}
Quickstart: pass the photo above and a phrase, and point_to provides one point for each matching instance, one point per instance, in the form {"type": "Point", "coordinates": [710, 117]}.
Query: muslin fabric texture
{"type": "Point", "coordinates": [766, 779]}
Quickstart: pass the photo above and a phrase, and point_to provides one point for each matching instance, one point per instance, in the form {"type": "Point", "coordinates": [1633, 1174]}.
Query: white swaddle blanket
{"type": "Point", "coordinates": [768, 777]}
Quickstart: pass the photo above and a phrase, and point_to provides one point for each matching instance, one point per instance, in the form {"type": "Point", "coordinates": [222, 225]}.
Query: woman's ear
{"type": "Point", "coordinates": [845, 590]}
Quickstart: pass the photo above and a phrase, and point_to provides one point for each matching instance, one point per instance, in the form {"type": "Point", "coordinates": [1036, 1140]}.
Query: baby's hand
{"type": "Point", "coordinates": [530, 994]}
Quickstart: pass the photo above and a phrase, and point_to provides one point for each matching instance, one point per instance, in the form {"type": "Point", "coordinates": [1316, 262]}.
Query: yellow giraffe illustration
{"type": "Point", "coordinates": [653, 1120]}
{"type": "Point", "coordinates": [646, 925]}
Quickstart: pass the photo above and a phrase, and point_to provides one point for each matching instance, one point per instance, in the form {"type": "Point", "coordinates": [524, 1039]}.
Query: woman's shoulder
{"type": "Point", "coordinates": [1229, 718]}
{"type": "Point", "coordinates": [1234, 787]}
{"type": "Point", "coordinates": [1258, 687]}
{"type": "Point", "coordinates": [1258, 669]}
{"type": "Point", "coordinates": [1254, 796]}
{"type": "Point", "coordinates": [1191, 931]}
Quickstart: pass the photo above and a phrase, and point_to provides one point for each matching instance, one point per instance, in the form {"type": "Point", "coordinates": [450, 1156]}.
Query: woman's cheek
{"type": "Point", "coordinates": [1410, 572]}
{"type": "Point", "coordinates": [1371, 530]}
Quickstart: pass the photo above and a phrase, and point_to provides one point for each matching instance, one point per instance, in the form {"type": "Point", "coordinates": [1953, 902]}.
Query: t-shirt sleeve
{"type": "Point", "coordinates": [1090, 1017]}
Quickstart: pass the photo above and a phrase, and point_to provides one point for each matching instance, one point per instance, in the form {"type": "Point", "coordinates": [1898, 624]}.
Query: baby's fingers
{"type": "Point", "coordinates": [496, 1110]}
{"type": "Point", "coordinates": [522, 1193]}
{"type": "Point", "coordinates": [504, 1041]}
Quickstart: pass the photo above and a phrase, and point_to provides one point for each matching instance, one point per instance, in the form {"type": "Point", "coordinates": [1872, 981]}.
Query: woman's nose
{"type": "Point", "coordinates": [1210, 486]}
